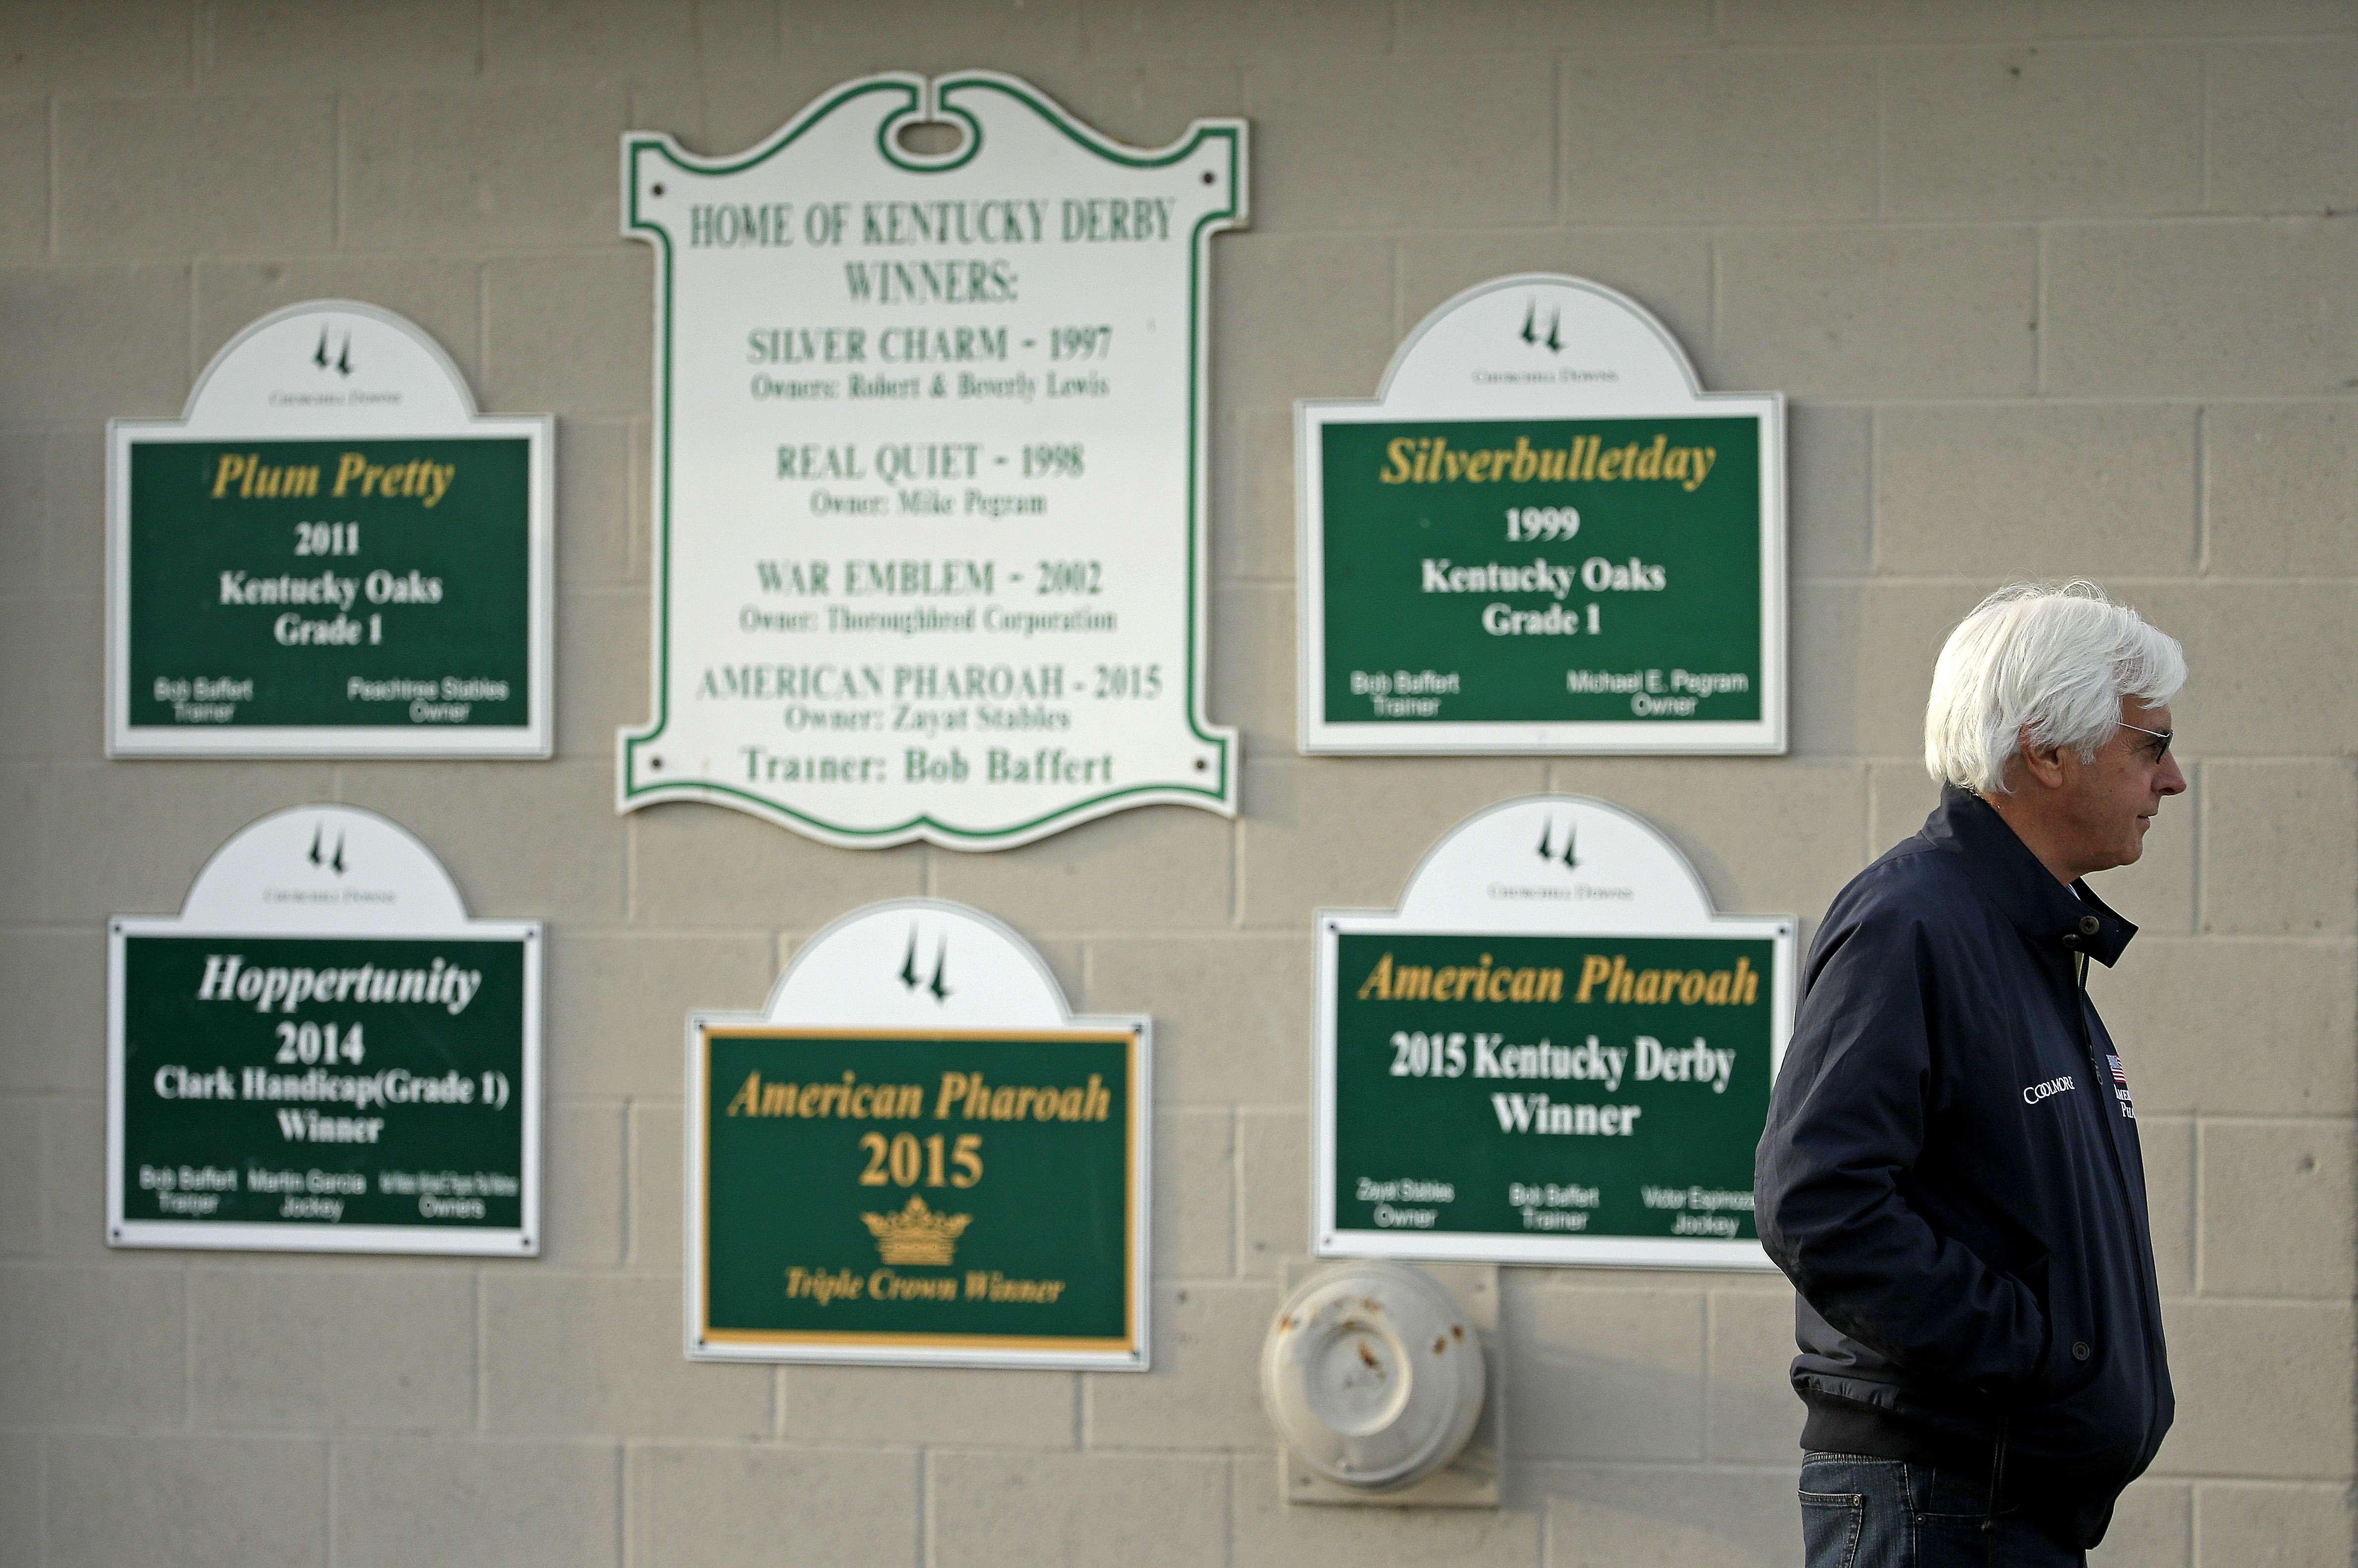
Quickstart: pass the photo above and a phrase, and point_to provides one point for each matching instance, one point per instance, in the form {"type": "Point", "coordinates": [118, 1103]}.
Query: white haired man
{"type": "Point", "coordinates": [1950, 1174]}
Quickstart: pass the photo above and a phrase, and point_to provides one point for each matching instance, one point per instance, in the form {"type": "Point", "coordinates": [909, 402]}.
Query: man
{"type": "Point", "coordinates": [1950, 1174]}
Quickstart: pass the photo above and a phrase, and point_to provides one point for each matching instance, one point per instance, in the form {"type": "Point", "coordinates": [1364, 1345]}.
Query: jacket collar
{"type": "Point", "coordinates": [2010, 876]}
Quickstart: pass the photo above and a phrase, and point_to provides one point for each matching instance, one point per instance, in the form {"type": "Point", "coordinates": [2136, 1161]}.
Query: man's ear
{"type": "Point", "coordinates": [2041, 763]}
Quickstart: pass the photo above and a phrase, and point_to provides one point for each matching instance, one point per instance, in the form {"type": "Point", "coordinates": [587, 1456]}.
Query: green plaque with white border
{"type": "Point", "coordinates": [321, 1053]}
{"type": "Point", "coordinates": [329, 554]}
{"type": "Point", "coordinates": [1541, 535]}
{"type": "Point", "coordinates": [916, 1155]}
{"type": "Point", "coordinates": [1553, 1052]}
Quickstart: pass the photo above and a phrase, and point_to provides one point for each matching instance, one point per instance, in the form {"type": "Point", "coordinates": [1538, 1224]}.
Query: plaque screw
{"type": "Point", "coordinates": [1209, 177]}
{"type": "Point", "coordinates": [654, 764]}
{"type": "Point", "coordinates": [655, 189]}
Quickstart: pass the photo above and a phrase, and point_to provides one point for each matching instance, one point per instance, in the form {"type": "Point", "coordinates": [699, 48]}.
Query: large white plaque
{"type": "Point", "coordinates": [930, 467]}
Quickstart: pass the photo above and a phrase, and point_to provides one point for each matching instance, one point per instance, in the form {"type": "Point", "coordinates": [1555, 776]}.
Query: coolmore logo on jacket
{"type": "Point", "coordinates": [2033, 1093]}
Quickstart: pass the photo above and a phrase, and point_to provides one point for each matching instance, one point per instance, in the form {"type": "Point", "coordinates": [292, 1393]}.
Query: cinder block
{"type": "Point", "coordinates": [1767, 836]}
{"type": "Point", "coordinates": [2032, 490]}
{"type": "Point", "coordinates": [1668, 271]}
{"type": "Point", "coordinates": [258, 1502]}
{"type": "Point", "coordinates": [65, 640]}
{"type": "Point", "coordinates": [1334, 160]}
{"type": "Point", "coordinates": [1253, 532]}
{"type": "Point", "coordinates": [73, 1193]}
{"type": "Point", "coordinates": [2280, 1202]}
{"type": "Point", "coordinates": [20, 1174]}
{"type": "Point", "coordinates": [1833, 312]}
{"type": "Point", "coordinates": [1901, 626]}
{"type": "Point", "coordinates": [522, 1505]}
{"type": "Point", "coordinates": [602, 680]}
{"type": "Point", "coordinates": [1345, 833]}
{"type": "Point", "coordinates": [164, 176]}
{"type": "Point", "coordinates": [2283, 134]}
{"type": "Point", "coordinates": [582, 1355]}
{"type": "Point", "coordinates": [1603, 1374]}
{"type": "Point", "coordinates": [2280, 482]}
{"type": "Point", "coordinates": [570, 333]}
{"type": "Point", "coordinates": [2264, 1388]}
{"type": "Point", "coordinates": [1234, 29]}
{"type": "Point", "coordinates": [2236, 1028]}
{"type": "Point", "coordinates": [695, 865]}
{"type": "Point", "coordinates": [2246, 644]}
{"type": "Point", "coordinates": [944, 34]}
{"type": "Point", "coordinates": [1274, 1185]}
{"type": "Point", "coordinates": [23, 505]}
{"type": "Point", "coordinates": [1269, 1532]}
{"type": "Point", "coordinates": [2246, 308]}
{"type": "Point", "coordinates": [731, 106]}
{"type": "Point", "coordinates": [262, 45]}
{"type": "Point", "coordinates": [601, 501]}
{"type": "Point", "coordinates": [1751, 1415]}
{"type": "Point", "coordinates": [550, 41]}
{"type": "Point", "coordinates": [73, 464]}
{"type": "Point", "coordinates": [617, 1004]}
{"type": "Point", "coordinates": [657, 1203]}
{"type": "Point", "coordinates": [23, 794]}
{"type": "Point", "coordinates": [1334, 293]}
{"type": "Point", "coordinates": [1616, 1517]}
{"type": "Point", "coordinates": [584, 1194]}
{"type": "Point", "coordinates": [918, 1406]}
{"type": "Point", "coordinates": [20, 1500]}
{"type": "Point", "coordinates": [140, 45]}
{"type": "Point", "coordinates": [2294, 1527]}
{"type": "Point", "coordinates": [441, 295]}
{"type": "Point", "coordinates": [2171, 1188]}
{"type": "Point", "coordinates": [548, 844]}
{"type": "Point", "coordinates": [142, 831]}
{"type": "Point", "coordinates": [1676, 138]}
{"type": "Point", "coordinates": [1853, 22]}
{"type": "Point", "coordinates": [333, 1349]}
{"type": "Point", "coordinates": [1829, 479]}
{"type": "Point", "coordinates": [2067, 18]}
{"type": "Point", "coordinates": [1432, 26]}
{"type": "Point", "coordinates": [91, 343]}
{"type": "Point", "coordinates": [1205, 1388]}
{"type": "Point", "coordinates": [2043, 130]}
{"type": "Point", "coordinates": [24, 177]}
{"type": "Point", "coordinates": [86, 1346]}
{"type": "Point", "coordinates": [54, 1035]}
{"type": "Point", "coordinates": [714, 1508]}
{"type": "Point", "coordinates": [471, 169]}
{"type": "Point", "coordinates": [1253, 669]}
{"type": "Point", "coordinates": [1195, 1195]}
{"type": "Point", "coordinates": [1144, 101]}
{"type": "Point", "coordinates": [1242, 1039]}
{"type": "Point", "coordinates": [2277, 852]}
{"type": "Point", "coordinates": [1100, 875]}
{"type": "Point", "coordinates": [2152, 1527]}
{"type": "Point", "coordinates": [1130, 1510]}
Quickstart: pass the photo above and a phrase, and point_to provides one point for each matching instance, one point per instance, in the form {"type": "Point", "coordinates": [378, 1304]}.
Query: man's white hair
{"type": "Point", "coordinates": [2051, 663]}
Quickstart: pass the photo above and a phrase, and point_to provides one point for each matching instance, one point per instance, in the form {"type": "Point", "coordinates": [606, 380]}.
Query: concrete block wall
{"type": "Point", "coordinates": [2054, 286]}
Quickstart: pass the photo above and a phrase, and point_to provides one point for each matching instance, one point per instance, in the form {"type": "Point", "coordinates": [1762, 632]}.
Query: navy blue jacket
{"type": "Point", "coordinates": [1952, 1180]}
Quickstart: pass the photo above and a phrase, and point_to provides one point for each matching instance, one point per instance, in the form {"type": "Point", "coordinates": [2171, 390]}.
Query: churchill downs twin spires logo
{"type": "Point", "coordinates": [334, 862]}
{"type": "Point", "coordinates": [342, 363]}
{"type": "Point", "coordinates": [1570, 860]}
{"type": "Point", "coordinates": [1553, 341]}
{"type": "Point", "coordinates": [909, 972]}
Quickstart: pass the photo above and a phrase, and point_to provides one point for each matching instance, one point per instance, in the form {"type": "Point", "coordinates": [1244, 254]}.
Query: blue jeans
{"type": "Point", "coordinates": [1863, 1512]}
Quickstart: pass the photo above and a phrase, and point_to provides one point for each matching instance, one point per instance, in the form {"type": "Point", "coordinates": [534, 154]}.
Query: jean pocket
{"type": "Point", "coordinates": [1830, 1523]}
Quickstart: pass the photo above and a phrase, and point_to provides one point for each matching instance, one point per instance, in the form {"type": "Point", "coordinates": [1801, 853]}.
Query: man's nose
{"type": "Point", "coordinates": [2172, 781]}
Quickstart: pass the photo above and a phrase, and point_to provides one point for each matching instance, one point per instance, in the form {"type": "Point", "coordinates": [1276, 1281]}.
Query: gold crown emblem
{"type": "Point", "coordinates": [916, 1234]}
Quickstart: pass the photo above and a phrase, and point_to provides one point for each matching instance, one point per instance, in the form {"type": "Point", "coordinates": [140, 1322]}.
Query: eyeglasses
{"type": "Point", "coordinates": [2163, 736]}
